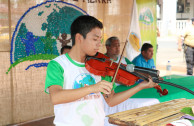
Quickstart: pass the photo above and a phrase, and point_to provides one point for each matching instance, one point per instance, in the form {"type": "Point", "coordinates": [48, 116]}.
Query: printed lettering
{"type": "Point", "coordinates": [103, 1]}
{"type": "Point", "coordinates": [95, 1]}
{"type": "Point", "coordinates": [108, 1]}
{"type": "Point", "coordinates": [91, 1]}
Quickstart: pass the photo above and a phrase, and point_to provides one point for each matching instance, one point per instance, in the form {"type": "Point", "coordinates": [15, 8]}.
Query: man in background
{"type": "Point", "coordinates": [188, 43]}
{"type": "Point", "coordinates": [113, 50]}
{"type": "Point", "coordinates": [145, 58]}
{"type": "Point", "coordinates": [65, 49]}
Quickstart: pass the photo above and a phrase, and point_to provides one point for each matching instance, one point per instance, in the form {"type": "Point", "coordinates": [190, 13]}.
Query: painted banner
{"type": "Point", "coordinates": [41, 32]}
{"type": "Point", "coordinates": [134, 37]}
{"type": "Point", "coordinates": [43, 29]}
{"type": "Point", "coordinates": [147, 22]}
{"type": "Point", "coordinates": [143, 28]}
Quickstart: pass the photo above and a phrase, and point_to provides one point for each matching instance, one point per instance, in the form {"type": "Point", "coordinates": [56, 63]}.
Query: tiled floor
{"type": "Point", "coordinates": [168, 51]}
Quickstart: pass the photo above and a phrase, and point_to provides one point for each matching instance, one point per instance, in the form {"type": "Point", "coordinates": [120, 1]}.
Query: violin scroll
{"type": "Point", "coordinates": [160, 91]}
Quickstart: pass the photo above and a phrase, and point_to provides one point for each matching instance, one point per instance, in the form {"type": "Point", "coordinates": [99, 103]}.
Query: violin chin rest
{"type": "Point", "coordinates": [130, 67]}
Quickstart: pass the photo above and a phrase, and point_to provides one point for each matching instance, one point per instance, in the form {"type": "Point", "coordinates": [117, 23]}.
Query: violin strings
{"type": "Point", "coordinates": [178, 86]}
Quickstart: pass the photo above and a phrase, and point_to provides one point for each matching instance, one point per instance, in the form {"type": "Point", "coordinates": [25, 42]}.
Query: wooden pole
{"type": "Point", "coordinates": [11, 73]}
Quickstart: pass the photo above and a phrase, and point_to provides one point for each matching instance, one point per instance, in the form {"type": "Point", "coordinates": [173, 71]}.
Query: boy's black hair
{"type": "Point", "coordinates": [83, 25]}
{"type": "Point", "coordinates": [145, 47]}
{"type": "Point", "coordinates": [65, 47]}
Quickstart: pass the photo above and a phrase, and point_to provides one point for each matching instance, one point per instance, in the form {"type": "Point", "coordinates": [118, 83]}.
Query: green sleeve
{"type": "Point", "coordinates": [54, 75]}
{"type": "Point", "coordinates": [127, 61]}
{"type": "Point", "coordinates": [109, 79]}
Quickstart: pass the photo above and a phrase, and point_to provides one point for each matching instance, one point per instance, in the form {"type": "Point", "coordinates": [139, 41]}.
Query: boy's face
{"type": "Point", "coordinates": [92, 42]}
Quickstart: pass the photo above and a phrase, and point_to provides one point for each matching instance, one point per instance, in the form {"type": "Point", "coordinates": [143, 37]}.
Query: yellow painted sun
{"type": "Point", "coordinates": [134, 40]}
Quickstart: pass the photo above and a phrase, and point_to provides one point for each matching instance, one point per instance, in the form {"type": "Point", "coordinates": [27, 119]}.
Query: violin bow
{"type": "Point", "coordinates": [119, 63]}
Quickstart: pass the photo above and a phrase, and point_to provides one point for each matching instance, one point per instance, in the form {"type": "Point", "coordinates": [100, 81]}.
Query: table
{"type": "Point", "coordinates": [131, 103]}
{"type": "Point", "coordinates": [154, 115]}
{"type": "Point", "coordinates": [149, 96]}
{"type": "Point", "coordinates": [173, 92]}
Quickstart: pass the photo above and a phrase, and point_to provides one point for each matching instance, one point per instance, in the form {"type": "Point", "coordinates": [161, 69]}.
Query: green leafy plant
{"type": "Point", "coordinates": [187, 110]}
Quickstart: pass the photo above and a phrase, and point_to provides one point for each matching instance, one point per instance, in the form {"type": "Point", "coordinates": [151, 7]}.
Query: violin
{"type": "Point", "coordinates": [102, 65]}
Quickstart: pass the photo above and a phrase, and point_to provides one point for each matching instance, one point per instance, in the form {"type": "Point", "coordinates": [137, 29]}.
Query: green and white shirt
{"type": "Point", "coordinates": [69, 74]}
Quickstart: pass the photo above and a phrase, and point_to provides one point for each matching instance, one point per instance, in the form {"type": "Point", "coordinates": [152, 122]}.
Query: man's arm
{"type": "Point", "coordinates": [180, 42]}
{"type": "Point", "coordinates": [182, 37]}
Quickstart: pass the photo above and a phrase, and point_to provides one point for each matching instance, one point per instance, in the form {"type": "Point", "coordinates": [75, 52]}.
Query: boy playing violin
{"type": "Point", "coordinates": [76, 93]}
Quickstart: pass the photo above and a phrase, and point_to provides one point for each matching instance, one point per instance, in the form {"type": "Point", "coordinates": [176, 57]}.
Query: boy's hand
{"type": "Point", "coordinates": [148, 84]}
{"type": "Point", "coordinates": [102, 86]}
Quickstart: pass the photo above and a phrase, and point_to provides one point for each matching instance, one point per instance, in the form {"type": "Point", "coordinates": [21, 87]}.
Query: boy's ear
{"type": "Point", "coordinates": [78, 38]}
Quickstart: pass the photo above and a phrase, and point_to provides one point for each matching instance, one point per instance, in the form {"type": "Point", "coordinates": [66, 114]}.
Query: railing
{"type": "Point", "coordinates": [180, 25]}
{"type": "Point", "coordinates": [159, 25]}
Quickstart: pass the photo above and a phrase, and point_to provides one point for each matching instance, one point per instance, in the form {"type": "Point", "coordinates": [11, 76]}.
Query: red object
{"type": "Point", "coordinates": [103, 66]}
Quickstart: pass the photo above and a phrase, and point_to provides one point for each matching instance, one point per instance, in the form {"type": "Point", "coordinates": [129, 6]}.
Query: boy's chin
{"type": "Point", "coordinates": [93, 54]}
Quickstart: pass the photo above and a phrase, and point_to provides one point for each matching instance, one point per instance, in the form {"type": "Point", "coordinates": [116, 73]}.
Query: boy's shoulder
{"type": "Point", "coordinates": [59, 58]}
{"type": "Point", "coordinates": [62, 60]}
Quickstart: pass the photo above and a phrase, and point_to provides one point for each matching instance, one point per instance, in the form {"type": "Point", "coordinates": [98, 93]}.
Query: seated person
{"type": "Point", "coordinates": [113, 50]}
{"type": "Point", "coordinates": [145, 58]}
{"type": "Point", "coordinates": [65, 49]}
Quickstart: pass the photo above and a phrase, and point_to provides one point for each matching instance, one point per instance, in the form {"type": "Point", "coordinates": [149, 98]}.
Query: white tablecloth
{"type": "Point", "coordinates": [131, 103]}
